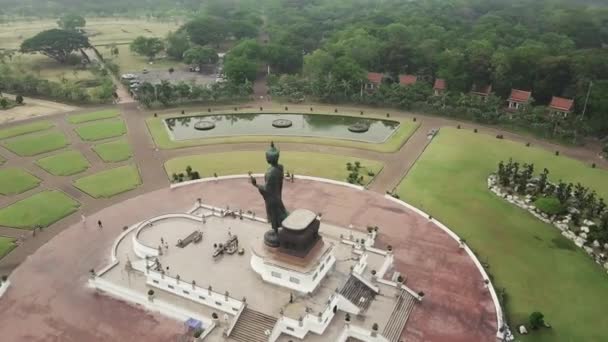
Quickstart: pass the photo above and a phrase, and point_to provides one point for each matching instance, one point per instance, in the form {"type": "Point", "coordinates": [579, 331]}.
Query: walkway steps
{"type": "Point", "coordinates": [401, 312]}
{"type": "Point", "coordinates": [251, 326]}
{"type": "Point", "coordinates": [358, 293]}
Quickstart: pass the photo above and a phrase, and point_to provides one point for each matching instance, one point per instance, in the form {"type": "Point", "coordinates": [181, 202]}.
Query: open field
{"type": "Point", "coordinates": [33, 108]}
{"type": "Point", "coordinates": [110, 182]}
{"type": "Point", "coordinates": [33, 144]}
{"type": "Point", "coordinates": [15, 181]}
{"type": "Point", "coordinates": [113, 151]}
{"type": "Point", "coordinates": [64, 164]}
{"type": "Point", "coordinates": [43, 208]}
{"type": "Point", "coordinates": [161, 137]}
{"type": "Point", "coordinates": [539, 268]}
{"type": "Point", "coordinates": [101, 30]}
{"type": "Point", "coordinates": [6, 245]}
{"type": "Point", "coordinates": [101, 130]}
{"type": "Point", "coordinates": [301, 163]}
{"type": "Point", "coordinates": [49, 69]}
{"type": "Point", "coordinates": [129, 62]}
{"type": "Point", "coordinates": [99, 115]}
{"type": "Point", "coordinates": [24, 129]}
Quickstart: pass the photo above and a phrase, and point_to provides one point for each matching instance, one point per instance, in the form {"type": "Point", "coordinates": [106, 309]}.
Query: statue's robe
{"type": "Point", "coordinates": [271, 191]}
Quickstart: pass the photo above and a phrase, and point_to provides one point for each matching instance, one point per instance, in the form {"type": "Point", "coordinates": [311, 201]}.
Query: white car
{"type": "Point", "coordinates": [128, 76]}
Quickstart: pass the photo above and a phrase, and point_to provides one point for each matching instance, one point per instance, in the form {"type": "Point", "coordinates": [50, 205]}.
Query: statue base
{"type": "Point", "coordinates": [299, 233]}
{"type": "Point", "coordinates": [271, 239]}
{"type": "Point", "coordinates": [302, 274]}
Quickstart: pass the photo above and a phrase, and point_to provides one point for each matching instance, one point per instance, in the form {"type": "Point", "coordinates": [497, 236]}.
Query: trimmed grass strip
{"type": "Point", "coordinates": [15, 181]}
{"type": "Point", "coordinates": [6, 245]}
{"type": "Point", "coordinates": [24, 129]}
{"type": "Point", "coordinates": [101, 130]}
{"type": "Point", "coordinates": [99, 115]}
{"type": "Point", "coordinates": [113, 151]}
{"type": "Point", "coordinates": [41, 209]}
{"type": "Point", "coordinates": [301, 163]}
{"type": "Point", "coordinates": [31, 145]}
{"type": "Point", "coordinates": [64, 164]}
{"type": "Point", "coordinates": [110, 182]}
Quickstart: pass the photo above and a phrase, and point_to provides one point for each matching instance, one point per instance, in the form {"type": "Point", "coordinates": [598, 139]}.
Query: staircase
{"type": "Point", "coordinates": [251, 326]}
{"type": "Point", "coordinates": [354, 290]}
{"type": "Point", "coordinates": [401, 312]}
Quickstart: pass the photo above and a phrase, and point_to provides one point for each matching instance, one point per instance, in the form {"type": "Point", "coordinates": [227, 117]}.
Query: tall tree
{"type": "Point", "coordinates": [200, 56]}
{"type": "Point", "coordinates": [177, 44]}
{"type": "Point", "coordinates": [55, 43]}
{"type": "Point", "coordinates": [148, 47]}
{"type": "Point", "coordinates": [207, 30]}
{"type": "Point", "coordinates": [239, 69]}
{"type": "Point", "coordinates": [71, 22]}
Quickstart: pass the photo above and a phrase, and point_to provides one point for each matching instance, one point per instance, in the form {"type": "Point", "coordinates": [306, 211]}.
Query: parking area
{"type": "Point", "coordinates": [174, 77]}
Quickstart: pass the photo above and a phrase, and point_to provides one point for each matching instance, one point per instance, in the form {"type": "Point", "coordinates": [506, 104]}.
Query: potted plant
{"type": "Point", "coordinates": [197, 334]}
{"type": "Point", "coordinates": [150, 294]}
{"type": "Point", "coordinates": [216, 319]}
{"type": "Point", "coordinates": [347, 318]}
{"type": "Point", "coordinates": [374, 329]}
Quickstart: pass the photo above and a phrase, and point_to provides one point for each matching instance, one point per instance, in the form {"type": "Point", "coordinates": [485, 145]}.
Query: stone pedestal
{"type": "Point", "coordinates": [299, 233]}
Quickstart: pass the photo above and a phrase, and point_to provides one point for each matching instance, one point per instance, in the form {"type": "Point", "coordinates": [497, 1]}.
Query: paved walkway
{"type": "Point", "coordinates": [49, 287]}
{"type": "Point", "coordinates": [150, 161]}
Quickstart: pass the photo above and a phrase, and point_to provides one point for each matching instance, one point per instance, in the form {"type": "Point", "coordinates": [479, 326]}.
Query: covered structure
{"type": "Point", "coordinates": [406, 80]}
{"type": "Point", "coordinates": [518, 99]}
{"type": "Point", "coordinates": [374, 79]}
{"type": "Point", "coordinates": [439, 87]}
{"type": "Point", "coordinates": [561, 106]}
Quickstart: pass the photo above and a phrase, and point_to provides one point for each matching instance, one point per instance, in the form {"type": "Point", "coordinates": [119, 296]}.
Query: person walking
{"type": "Point", "coordinates": [99, 224]}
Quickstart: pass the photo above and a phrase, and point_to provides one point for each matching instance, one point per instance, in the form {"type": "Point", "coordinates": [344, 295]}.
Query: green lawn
{"type": "Point", "coordinates": [33, 144]}
{"type": "Point", "coordinates": [301, 163]}
{"type": "Point", "coordinates": [128, 61]}
{"type": "Point", "coordinates": [101, 130]}
{"type": "Point", "coordinates": [114, 151]}
{"type": "Point", "coordinates": [110, 182]}
{"type": "Point", "coordinates": [539, 268]}
{"type": "Point", "coordinates": [15, 181]}
{"type": "Point", "coordinates": [99, 115]}
{"type": "Point", "coordinates": [64, 164]}
{"type": "Point", "coordinates": [6, 245]}
{"type": "Point", "coordinates": [24, 129]}
{"type": "Point", "coordinates": [43, 208]}
{"type": "Point", "coordinates": [394, 142]}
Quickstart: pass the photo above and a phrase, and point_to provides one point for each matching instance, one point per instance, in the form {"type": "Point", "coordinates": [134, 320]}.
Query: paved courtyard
{"type": "Point", "coordinates": [456, 307]}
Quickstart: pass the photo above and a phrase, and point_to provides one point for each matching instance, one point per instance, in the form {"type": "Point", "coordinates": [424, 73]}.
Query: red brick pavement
{"type": "Point", "coordinates": [50, 302]}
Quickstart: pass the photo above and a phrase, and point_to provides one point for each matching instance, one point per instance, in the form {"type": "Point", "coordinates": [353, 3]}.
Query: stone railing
{"type": "Point", "coordinates": [194, 293]}
{"type": "Point", "coordinates": [258, 175]}
{"type": "Point", "coordinates": [597, 252]}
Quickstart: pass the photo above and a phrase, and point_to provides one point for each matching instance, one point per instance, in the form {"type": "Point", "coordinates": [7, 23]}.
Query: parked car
{"type": "Point", "coordinates": [145, 71]}
{"type": "Point", "coordinates": [128, 76]}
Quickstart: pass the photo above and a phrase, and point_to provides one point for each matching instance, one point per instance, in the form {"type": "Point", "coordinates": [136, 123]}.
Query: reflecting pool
{"type": "Point", "coordinates": [310, 125]}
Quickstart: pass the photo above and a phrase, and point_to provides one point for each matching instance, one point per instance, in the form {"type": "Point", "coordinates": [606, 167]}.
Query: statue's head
{"type": "Point", "coordinates": [272, 154]}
